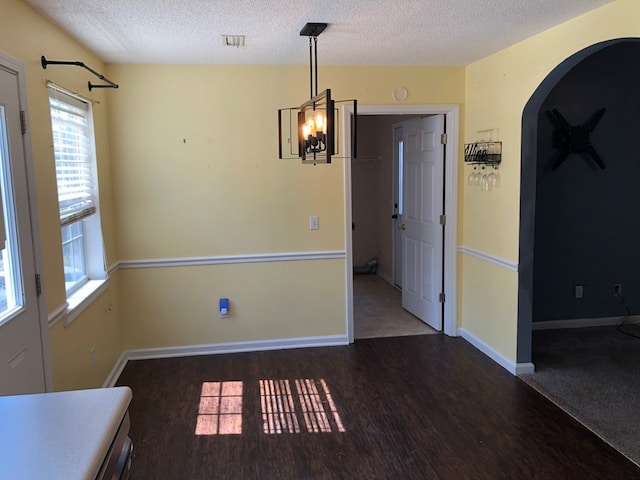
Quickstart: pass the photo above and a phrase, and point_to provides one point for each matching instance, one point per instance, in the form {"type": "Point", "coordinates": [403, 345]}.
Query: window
{"type": "Point", "coordinates": [10, 269]}
{"type": "Point", "coordinates": [73, 143]}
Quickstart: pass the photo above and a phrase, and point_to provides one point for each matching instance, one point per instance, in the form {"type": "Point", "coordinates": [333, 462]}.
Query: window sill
{"type": "Point", "coordinates": [81, 299]}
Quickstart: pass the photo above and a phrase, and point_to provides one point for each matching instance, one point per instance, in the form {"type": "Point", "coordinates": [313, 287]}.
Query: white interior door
{"type": "Point", "coordinates": [22, 368]}
{"type": "Point", "coordinates": [397, 220]}
{"type": "Point", "coordinates": [421, 229]}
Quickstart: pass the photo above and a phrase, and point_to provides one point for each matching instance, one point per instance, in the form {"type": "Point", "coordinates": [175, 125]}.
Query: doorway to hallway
{"type": "Point", "coordinates": [357, 228]}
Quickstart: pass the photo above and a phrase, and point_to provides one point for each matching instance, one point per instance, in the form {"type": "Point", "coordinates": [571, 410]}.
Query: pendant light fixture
{"type": "Point", "coordinates": [315, 121]}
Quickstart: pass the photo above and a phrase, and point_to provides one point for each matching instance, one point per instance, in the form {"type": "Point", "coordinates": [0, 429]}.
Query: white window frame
{"type": "Point", "coordinates": [81, 295]}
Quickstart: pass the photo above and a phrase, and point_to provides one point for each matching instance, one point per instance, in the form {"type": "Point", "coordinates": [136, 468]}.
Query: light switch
{"type": "Point", "coordinates": [313, 222]}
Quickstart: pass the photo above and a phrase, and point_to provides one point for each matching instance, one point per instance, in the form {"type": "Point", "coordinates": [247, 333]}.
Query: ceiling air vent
{"type": "Point", "coordinates": [233, 40]}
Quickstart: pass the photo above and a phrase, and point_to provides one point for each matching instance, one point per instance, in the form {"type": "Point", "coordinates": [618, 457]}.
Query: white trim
{"type": "Point", "coordinates": [385, 277]}
{"type": "Point", "coordinates": [348, 234]}
{"type": "Point", "coordinates": [487, 257]}
{"type": "Point", "coordinates": [584, 322]}
{"type": "Point", "coordinates": [81, 299]}
{"type": "Point", "coordinates": [231, 259]}
{"type": "Point", "coordinates": [524, 368]}
{"type": "Point", "coordinates": [237, 347]}
{"type": "Point", "coordinates": [222, 348]}
{"type": "Point", "coordinates": [115, 372]}
{"type": "Point", "coordinates": [452, 117]}
{"type": "Point", "coordinates": [112, 268]}
{"type": "Point", "coordinates": [512, 367]}
{"type": "Point", "coordinates": [451, 212]}
{"type": "Point", "coordinates": [78, 302]}
{"type": "Point", "coordinates": [58, 314]}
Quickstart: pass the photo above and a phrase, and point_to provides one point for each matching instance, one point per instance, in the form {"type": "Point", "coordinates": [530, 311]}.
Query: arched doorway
{"type": "Point", "coordinates": [534, 115]}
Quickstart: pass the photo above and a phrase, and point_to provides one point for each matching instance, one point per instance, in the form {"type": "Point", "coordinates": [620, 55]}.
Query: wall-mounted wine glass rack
{"type": "Point", "coordinates": [483, 153]}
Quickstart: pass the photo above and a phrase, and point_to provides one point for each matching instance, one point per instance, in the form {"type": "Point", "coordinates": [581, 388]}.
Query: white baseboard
{"type": "Point", "coordinates": [220, 348]}
{"type": "Point", "coordinates": [584, 322]}
{"type": "Point", "coordinates": [512, 367]}
{"type": "Point", "coordinates": [385, 277]}
{"type": "Point", "coordinates": [116, 371]}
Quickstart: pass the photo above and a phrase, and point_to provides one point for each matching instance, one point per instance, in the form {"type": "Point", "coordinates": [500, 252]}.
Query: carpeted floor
{"type": "Point", "coordinates": [594, 374]}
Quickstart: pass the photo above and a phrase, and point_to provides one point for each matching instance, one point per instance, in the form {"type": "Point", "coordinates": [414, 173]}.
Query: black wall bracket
{"type": "Point", "coordinates": [90, 85]}
{"type": "Point", "coordinates": [568, 139]}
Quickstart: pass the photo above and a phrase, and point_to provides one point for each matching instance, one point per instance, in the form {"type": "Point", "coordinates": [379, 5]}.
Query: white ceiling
{"type": "Point", "coordinates": [360, 32]}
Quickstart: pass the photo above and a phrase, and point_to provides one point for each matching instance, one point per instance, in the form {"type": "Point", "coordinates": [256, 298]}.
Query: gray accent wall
{"type": "Point", "coordinates": [587, 220]}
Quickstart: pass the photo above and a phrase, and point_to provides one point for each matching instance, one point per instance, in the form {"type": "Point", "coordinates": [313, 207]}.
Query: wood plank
{"type": "Point", "coordinates": [419, 407]}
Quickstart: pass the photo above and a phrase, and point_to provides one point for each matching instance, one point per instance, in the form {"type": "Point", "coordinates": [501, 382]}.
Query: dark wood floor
{"type": "Point", "coordinates": [423, 407]}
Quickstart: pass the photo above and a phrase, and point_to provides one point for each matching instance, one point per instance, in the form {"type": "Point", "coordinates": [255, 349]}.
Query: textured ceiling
{"type": "Point", "coordinates": [365, 32]}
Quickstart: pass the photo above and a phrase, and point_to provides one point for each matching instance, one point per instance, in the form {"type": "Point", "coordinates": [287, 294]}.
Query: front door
{"type": "Point", "coordinates": [21, 349]}
{"type": "Point", "coordinates": [422, 243]}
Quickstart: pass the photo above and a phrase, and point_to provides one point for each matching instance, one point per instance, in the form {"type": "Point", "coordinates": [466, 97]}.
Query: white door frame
{"type": "Point", "coordinates": [15, 66]}
{"type": "Point", "coordinates": [452, 118]}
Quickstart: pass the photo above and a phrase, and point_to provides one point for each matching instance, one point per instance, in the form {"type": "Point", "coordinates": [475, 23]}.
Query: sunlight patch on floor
{"type": "Point", "coordinates": [297, 406]}
{"type": "Point", "coordinates": [278, 412]}
{"type": "Point", "coordinates": [220, 411]}
{"type": "Point", "coordinates": [314, 404]}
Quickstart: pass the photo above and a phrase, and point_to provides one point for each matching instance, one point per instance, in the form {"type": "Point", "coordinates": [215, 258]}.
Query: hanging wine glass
{"type": "Point", "coordinates": [491, 179]}
{"type": "Point", "coordinates": [478, 178]}
{"type": "Point", "coordinates": [496, 177]}
{"type": "Point", "coordinates": [471, 178]}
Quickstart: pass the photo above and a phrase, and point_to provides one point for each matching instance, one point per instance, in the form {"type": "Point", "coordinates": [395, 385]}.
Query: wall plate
{"type": "Point", "coordinates": [400, 94]}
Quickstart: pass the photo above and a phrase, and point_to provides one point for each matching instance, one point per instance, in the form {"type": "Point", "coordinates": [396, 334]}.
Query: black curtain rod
{"type": "Point", "coordinates": [111, 84]}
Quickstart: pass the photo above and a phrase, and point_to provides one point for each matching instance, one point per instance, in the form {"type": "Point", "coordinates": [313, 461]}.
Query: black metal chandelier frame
{"type": "Point", "coordinates": [316, 118]}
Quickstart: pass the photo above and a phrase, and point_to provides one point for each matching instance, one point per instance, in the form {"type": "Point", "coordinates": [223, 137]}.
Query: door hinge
{"type": "Point", "coordinates": [442, 298]}
{"type": "Point", "coordinates": [443, 219]}
{"type": "Point", "coordinates": [443, 139]}
{"type": "Point", "coordinates": [23, 121]}
{"type": "Point", "coordinates": [38, 284]}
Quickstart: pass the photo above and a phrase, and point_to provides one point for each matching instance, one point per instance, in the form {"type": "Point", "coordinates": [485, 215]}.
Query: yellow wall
{"type": "Point", "coordinates": [95, 333]}
{"type": "Point", "coordinates": [196, 174]}
{"type": "Point", "coordinates": [497, 89]}
{"type": "Point", "coordinates": [180, 178]}
{"type": "Point", "coordinates": [179, 306]}
{"type": "Point", "coordinates": [26, 36]}
{"type": "Point", "coordinates": [186, 181]}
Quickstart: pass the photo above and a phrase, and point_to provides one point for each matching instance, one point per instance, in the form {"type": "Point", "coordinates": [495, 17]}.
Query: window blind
{"type": "Point", "coordinates": [73, 149]}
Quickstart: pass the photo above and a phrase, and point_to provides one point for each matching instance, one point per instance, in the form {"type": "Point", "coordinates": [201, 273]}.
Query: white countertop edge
{"type": "Point", "coordinates": [60, 435]}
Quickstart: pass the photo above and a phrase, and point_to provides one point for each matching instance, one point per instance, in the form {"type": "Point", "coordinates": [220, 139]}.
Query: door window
{"type": "Point", "coordinates": [10, 276]}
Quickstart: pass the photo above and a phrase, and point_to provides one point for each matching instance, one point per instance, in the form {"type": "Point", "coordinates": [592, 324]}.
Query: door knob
{"type": "Point", "coordinates": [402, 226]}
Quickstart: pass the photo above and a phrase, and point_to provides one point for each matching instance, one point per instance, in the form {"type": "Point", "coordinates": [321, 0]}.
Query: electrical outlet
{"type": "Point", "coordinates": [617, 289]}
{"type": "Point", "coordinates": [313, 222]}
{"type": "Point", "coordinates": [579, 292]}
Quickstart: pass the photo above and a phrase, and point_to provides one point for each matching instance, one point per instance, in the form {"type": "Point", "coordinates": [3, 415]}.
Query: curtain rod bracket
{"type": "Point", "coordinates": [44, 62]}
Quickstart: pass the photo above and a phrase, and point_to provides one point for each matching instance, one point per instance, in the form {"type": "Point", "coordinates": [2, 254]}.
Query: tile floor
{"type": "Point", "coordinates": [378, 312]}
